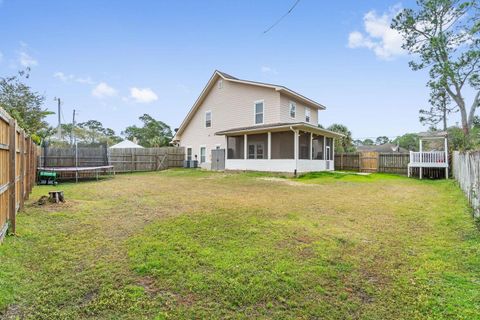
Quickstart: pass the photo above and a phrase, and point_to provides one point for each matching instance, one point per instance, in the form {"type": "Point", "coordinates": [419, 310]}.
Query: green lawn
{"type": "Point", "coordinates": [185, 244]}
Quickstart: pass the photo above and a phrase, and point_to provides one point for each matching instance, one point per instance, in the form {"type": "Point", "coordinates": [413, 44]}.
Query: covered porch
{"type": "Point", "coordinates": [293, 148]}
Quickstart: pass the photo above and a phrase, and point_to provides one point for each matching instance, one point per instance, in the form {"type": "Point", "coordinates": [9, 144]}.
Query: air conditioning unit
{"type": "Point", "coordinates": [186, 163]}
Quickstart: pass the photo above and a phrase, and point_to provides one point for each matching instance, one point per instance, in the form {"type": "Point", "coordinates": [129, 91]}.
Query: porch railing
{"type": "Point", "coordinates": [427, 157]}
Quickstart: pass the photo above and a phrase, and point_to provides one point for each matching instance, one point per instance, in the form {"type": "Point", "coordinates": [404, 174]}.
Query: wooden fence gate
{"type": "Point", "coordinates": [368, 161]}
{"type": "Point", "coordinates": [373, 162]}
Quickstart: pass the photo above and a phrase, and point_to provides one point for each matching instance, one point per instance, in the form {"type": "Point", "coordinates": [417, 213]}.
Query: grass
{"type": "Point", "coordinates": [185, 244]}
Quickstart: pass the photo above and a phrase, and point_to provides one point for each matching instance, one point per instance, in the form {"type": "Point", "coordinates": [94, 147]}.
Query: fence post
{"type": "Point", "coordinates": [132, 165]}
{"type": "Point", "coordinates": [22, 171]}
{"type": "Point", "coordinates": [11, 175]}
{"type": "Point", "coordinates": [28, 159]}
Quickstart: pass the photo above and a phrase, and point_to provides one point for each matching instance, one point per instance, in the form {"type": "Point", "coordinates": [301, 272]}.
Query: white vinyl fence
{"type": "Point", "coordinates": [466, 170]}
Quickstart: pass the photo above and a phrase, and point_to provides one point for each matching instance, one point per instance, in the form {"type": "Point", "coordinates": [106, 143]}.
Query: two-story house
{"type": "Point", "coordinates": [248, 125]}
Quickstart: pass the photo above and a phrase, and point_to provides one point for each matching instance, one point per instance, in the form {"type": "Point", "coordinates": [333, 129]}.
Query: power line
{"type": "Point", "coordinates": [282, 17]}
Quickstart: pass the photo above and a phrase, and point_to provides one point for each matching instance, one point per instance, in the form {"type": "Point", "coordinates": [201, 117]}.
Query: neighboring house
{"type": "Point", "coordinates": [125, 144]}
{"type": "Point", "coordinates": [383, 148]}
{"type": "Point", "coordinates": [262, 127]}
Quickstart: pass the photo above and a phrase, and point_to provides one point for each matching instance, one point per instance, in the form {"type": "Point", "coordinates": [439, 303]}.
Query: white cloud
{"type": "Point", "coordinates": [26, 60]}
{"type": "Point", "coordinates": [384, 41]}
{"type": "Point", "coordinates": [145, 95]}
{"type": "Point", "coordinates": [1, 54]}
{"type": "Point", "coordinates": [266, 69]}
{"type": "Point", "coordinates": [103, 90]}
{"type": "Point", "coordinates": [85, 80]}
{"type": "Point", "coordinates": [70, 77]}
{"type": "Point", "coordinates": [62, 76]}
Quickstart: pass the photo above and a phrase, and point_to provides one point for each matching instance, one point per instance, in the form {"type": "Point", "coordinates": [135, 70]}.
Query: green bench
{"type": "Point", "coordinates": [47, 177]}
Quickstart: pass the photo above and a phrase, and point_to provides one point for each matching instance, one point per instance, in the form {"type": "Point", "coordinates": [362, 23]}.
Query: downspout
{"type": "Point", "coordinates": [295, 150]}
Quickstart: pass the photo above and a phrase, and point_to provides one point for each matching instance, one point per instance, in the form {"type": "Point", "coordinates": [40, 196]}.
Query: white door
{"type": "Point", "coordinates": [256, 150]}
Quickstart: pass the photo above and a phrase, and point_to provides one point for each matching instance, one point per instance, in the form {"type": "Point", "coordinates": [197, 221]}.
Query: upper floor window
{"type": "Point", "coordinates": [293, 109]}
{"type": "Point", "coordinates": [259, 112]}
{"type": "Point", "coordinates": [220, 84]}
{"type": "Point", "coordinates": [208, 119]}
{"type": "Point", "coordinates": [307, 114]}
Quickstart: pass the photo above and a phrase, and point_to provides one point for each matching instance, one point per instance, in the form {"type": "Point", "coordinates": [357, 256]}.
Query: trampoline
{"type": "Point", "coordinates": [79, 171]}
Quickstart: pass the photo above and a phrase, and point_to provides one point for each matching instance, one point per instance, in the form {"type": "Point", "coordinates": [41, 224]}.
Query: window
{"type": "Point", "coordinates": [189, 153]}
{"type": "Point", "coordinates": [255, 151]}
{"type": "Point", "coordinates": [220, 84]}
{"type": "Point", "coordinates": [293, 109]}
{"type": "Point", "coordinates": [203, 152]}
{"type": "Point", "coordinates": [208, 119]}
{"type": "Point", "coordinates": [259, 112]}
{"type": "Point", "coordinates": [307, 115]}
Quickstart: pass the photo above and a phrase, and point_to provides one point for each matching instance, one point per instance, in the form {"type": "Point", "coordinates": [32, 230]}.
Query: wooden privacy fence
{"type": "Point", "coordinates": [71, 157]}
{"type": "Point", "coordinates": [146, 159]}
{"type": "Point", "coordinates": [373, 162]}
{"type": "Point", "coordinates": [122, 160]}
{"type": "Point", "coordinates": [17, 171]}
{"type": "Point", "coordinates": [466, 170]}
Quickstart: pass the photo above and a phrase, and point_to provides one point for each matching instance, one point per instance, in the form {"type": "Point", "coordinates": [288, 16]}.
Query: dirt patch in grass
{"type": "Point", "coordinates": [286, 181]}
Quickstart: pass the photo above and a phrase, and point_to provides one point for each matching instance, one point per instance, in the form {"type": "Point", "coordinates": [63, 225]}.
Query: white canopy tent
{"type": "Point", "coordinates": [126, 144]}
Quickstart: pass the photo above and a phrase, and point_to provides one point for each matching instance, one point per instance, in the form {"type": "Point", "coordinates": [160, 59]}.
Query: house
{"type": "Point", "coordinates": [246, 125]}
{"type": "Point", "coordinates": [125, 144]}
{"type": "Point", "coordinates": [383, 148]}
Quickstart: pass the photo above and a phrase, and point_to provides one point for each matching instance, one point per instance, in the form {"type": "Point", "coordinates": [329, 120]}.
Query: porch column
{"type": "Point", "coordinates": [333, 149]}
{"type": "Point", "coordinates": [446, 159]}
{"type": "Point", "coordinates": [245, 147]}
{"type": "Point", "coordinates": [269, 146]}
{"type": "Point", "coordinates": [311, 145]}
{"type": "Point", "coordinates": [324, 148]}
{"type": "Point", "coordinates": [421, 159]}
{"type": "Point", "coordinates": [295, 144]}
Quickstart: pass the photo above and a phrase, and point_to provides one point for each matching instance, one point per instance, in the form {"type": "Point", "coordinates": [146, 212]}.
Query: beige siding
{"type": "Point", "coordinates": [300, 114]}
{"type": "Point", "coordinates": [232, 106]}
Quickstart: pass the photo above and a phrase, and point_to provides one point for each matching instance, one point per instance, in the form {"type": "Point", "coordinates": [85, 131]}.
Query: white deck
{"type": "Point", "coordinates": [432, 159]}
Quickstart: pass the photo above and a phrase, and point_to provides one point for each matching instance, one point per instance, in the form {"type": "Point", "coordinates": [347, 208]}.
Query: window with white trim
{"type": "Point", "coordinates": [308, 114]}
{"type": "Point", "coordinates": [259, 112]}
{"type": "Point", "coordinates": [203, 153]}
{"type": "Point", "coordinates": [293, 109]}
{"type": "Point", "coordinates": [220, 84]}
{"type": "Point", "coordinates": [208, 119]}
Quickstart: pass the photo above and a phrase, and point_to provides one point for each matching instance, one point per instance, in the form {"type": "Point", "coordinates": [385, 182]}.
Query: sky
{"type": "Point", "coordinates": [115, 60]}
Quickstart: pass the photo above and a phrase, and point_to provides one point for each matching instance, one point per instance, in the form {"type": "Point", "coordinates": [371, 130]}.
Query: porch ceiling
{"type": "Point", "coordinates": [278, 127]}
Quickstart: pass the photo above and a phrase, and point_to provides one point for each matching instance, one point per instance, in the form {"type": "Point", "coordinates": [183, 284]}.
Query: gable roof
{"type": "Point", "coordinates": [219, 74]}
{"type": "Point", "coordinates": [386, 148]}
{"type": "Point", "coordinates": [125, 144]}
{"type": "Point", "coordinates": [280, 127]}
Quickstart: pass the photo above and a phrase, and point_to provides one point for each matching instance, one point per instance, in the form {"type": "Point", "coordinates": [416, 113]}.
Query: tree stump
{"type": "Point", "coordinates": [56, 196]}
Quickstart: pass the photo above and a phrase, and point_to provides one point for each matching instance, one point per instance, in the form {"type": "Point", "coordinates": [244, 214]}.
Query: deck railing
{"type": "Point", "coordinates": [427, 157]}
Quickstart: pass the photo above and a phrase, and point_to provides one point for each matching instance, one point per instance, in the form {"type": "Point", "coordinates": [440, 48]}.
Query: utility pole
{"type": "Point", "coordinates": [59, 129]}
{"type": "Point", "coordinates": [72, 134]}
